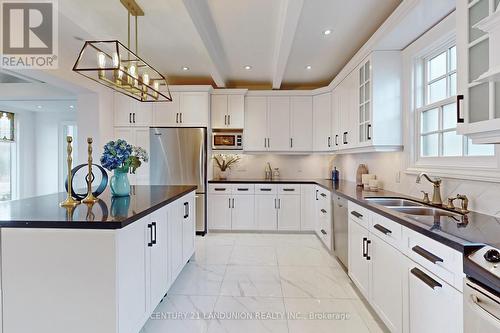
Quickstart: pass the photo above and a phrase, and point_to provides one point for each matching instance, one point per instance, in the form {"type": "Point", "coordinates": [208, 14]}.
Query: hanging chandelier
{"type": "Point", "coordinates": [114, 65]}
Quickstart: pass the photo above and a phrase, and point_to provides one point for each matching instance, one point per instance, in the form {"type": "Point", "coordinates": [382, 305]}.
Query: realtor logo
{"type": "Point", "coordinates": [29, 38]}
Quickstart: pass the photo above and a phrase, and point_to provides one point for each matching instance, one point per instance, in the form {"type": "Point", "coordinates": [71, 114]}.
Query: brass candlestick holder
{"type": "Point", "coordinates": [90, 198]}
{"type": "Point", "coordinates": [69, 202]}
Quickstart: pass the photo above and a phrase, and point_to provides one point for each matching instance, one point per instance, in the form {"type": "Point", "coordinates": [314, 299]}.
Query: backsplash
{"type": "Point", "coordinates": [484, 197]}
{"type": "Point", "coordinates": [291, 166]}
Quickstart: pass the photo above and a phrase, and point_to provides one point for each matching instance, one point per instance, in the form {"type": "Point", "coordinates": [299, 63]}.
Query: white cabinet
{"type": "Point", "coordinates": [322, 121]}
{"type": "Point", "coordinates": [480, 115]}
{"type": "Point", "coordinates": [227, 110]}
{"type": "Point", "coordinates": [279, 123]}
{"type": "Point", "coordinates": [336, 130]}
{"type": "Point", "coordinates": [359, 264]}
{"type": "Point", "coordinates": [129, 112]}
{"type": "Point", "coordinates": [301, 127]}
{"type": "Point", "coordinates": [266, 211]}
{"type": "Point", "coordinates": [307, 207]}
{"type": "Point", "coordinates": [289, 212]}
{"type": "Point", "coordinates": [159, 263]}
{"type": "Point", "coordinates": [187, 109]}
{"type": "Point", "coordinates": [242, 212]}
{"type": "Point", "coordinates": [432, 304]}
{"type": "Point", "coordinates": [347, 118]}
{"type": "Point", "coordinates": [175, 238]}
{"type": "Point", "coordinates": [255, 133]}
{"type": "Point", "coordinates": [386, 282]}
{"type": "Point", "coordinates": [188, 226]}
{"type": "Point", "coordinates": [136, 136]}
{"type": "Point", "coordinates": [219, 212]}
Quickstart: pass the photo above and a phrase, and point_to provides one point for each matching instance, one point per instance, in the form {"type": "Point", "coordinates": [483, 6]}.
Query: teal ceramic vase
{"type": "Point", "coordinates": [120, 186]}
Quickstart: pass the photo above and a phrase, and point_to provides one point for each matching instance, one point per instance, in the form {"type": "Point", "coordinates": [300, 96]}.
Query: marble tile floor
{"type": "Point", "coordinates": [244, 282]}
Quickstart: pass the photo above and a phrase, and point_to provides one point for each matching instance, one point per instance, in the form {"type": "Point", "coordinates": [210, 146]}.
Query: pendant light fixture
{"type": "Point", "coordinates": [114, 65]}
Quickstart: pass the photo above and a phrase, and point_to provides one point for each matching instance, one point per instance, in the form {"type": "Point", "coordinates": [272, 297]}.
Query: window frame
{"type": "Point", "coordinates": [483, 168]}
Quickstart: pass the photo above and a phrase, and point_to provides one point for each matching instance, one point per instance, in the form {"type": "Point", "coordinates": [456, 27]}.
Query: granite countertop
{"type": "Point", "coordinates": [107, 213]}
{"type": "Point", "coordinates": [469, 230]}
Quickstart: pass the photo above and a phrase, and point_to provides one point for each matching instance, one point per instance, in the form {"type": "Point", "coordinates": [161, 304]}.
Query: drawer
{"type": "Point", "coordinates": [266, 188]}
{"type": "Point", "coordinates": [359, 214]}
{"type": "Point", "coordinates": [439, 259]}
{"type": "Point", "coordinates": [220, 188]}
{"type": "Point", "coordinates": [289, 188]}
{"type": "Point", "coordinates": [388, 230]}
{"type": "Point", "coordinates": [243, 188]}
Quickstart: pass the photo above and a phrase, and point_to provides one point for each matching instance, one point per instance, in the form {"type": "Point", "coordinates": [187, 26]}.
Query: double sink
{"type": "Point", "coordinates": [411, 207]}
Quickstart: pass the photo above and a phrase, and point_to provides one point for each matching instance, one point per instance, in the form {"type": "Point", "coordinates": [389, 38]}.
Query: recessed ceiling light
{"type": "Point", "coordinates": [71, 106]}
{"type": "Point", "coordinates": [39, 106]}
{"type": "Point", "coordinates": [185, 68]}
{"type": "Point", "coordinates": [247, 67]}
{"type": "Point", "coordinates": [308, 67]}
{"type": "Point", "coordinates": [327, 32]}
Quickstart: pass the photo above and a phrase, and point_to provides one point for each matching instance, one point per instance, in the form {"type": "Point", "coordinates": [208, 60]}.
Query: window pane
{"type": "Point", "coordinates": [367, 71]}
{"type": "Point", "coordinates": [361, 75]}
{"type": "Point", "coordinates": [450, 116]}
{"type": "Point", "coordinates": [452, 144]}
{"type": "Point", "coordinates": [480, 150]}
{"type": "Point", "coordinates": [437, 91]}
{"type": "Point", "coordinates": [361, 113]}
{"type": "Point", "coordinates": [361, 94]}
{"type": "Point", "coordinates": [429, 145]}
{"type": "Point", "coordinates": [479, 98]}
{"type": "Point", "coordinates": [5, 177]}
{"type": "Point", "coordinates": [453, 58]}
{"type": "Point", "coordinates": [437, 66]}
{"type": "Point", "coordinates": [478, 59]}
{"type": "Point", "coordinates": [430, 121]}
{"type": "Point", "coordinates": [453, 84]}
{"type": "Point", "coordinates": [367, 92]}
{"type": "Point", "coordinates": [476, 14]}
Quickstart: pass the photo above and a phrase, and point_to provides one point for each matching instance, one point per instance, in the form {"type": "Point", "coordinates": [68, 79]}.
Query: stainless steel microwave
{"type": "Point", "coordinates": [227, 139]}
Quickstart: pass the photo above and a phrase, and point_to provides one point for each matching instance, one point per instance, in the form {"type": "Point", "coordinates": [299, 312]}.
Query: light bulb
{"type": "Point", "coordinates": [156, 86]}
{"type": "Point", "coordinates": [116, 60]}
{"type": "Point", "coordinates": [133, 75]}
{"type": "Point", "coordinates": [145, 78]}
{"type": "Point", "coordinates": [131, 71]}
{"type": "Point", "coordinates": [101, 60]}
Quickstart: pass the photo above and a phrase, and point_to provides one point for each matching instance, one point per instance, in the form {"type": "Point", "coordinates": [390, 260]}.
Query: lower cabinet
{"type": "Point", "coordinates": [188, 226]}
{"type": "Point", "coordinates": [160, 280]}
{"type": "Point", "coordinates": [242, 212]}
{"type": "Point", "coordinates": [289, 212]}
{"type": "Point", "coordinates": [265, 212]}
{"type": "Point", "coordinates": [406, 296]}
{"type": "Point", "coordinates": [219, 212]}
{"type": "Point", "coordinates": [433, 305]}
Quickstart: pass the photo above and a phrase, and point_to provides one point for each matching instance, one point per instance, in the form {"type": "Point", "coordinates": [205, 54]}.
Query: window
{"type": "Point", "coordinates": [436, 118]}
{"type": "Point", "coordinates": [6, 143]}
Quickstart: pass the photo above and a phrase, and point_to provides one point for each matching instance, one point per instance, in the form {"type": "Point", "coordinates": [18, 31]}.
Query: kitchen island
{"type": "Point", "coordinates": [95, 268]}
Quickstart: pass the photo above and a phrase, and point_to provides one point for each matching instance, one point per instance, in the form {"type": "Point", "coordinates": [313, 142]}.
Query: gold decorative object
{"type": "Point", "coordinates": [114, 65]}
{"type": "Point", "coordinates": [90, 197]}
{"type": "Point", "coordinates": [69, 202]}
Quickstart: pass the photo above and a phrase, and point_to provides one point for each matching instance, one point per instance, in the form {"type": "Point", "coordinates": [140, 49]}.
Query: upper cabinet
{"type": "Point", "coordinates": [227, 108]}
{"type": "Point", "coordinates": [322, 120]}
{"type": "Point", "coordinates": [278, 123]}
{"type": "Point", "coordinates": [129, 112]}
{"type": "Point", "coordinates": [478, 107]}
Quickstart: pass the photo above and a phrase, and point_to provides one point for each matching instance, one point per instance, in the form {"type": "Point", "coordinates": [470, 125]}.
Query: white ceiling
{"type": "Point", "coordinates": [39, 105]}
{"type": "Point", "coordinates": [217, 38]}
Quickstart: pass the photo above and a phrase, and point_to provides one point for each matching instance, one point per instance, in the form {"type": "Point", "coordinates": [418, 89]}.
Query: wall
{"type": "Point", "coordinates": [291, 166]}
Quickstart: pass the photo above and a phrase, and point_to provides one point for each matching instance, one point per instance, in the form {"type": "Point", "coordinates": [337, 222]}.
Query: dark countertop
{"type": "Point", "coordinates": [107, 213]}
{"type": "Point", "coordinates": [470, 231]}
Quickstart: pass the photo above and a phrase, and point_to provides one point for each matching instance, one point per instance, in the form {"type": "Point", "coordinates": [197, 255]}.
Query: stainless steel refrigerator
{"type": "Point", "coordinates": [179, 157]}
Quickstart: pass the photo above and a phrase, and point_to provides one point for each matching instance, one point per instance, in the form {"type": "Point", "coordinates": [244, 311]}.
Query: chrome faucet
{"type": "Point", "coordinates": [269, 172]}
{"type": "Point", "coordinates": [436, 195]}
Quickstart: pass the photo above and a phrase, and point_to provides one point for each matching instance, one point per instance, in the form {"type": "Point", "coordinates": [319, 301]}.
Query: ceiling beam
{"type": "Point", "coordinates": [287, 25]}
{"type": "Point", "coordinates": [203, 21]}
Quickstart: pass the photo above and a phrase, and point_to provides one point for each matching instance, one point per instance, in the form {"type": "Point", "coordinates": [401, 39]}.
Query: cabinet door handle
{"type": "Point", "coordinates": [459, 118]}
{"type": "Point", "coordinates": [368, 130]}
{"type": "Point", "coordinates": [364, 247]}
{"type": "Point", "coordinates": [266, 189]}
{"type": "Point", "coordinates": [180, 116]}
{"type": "Point", "coordinates": [336, 139]}
{"type": "Point", "coordinates": [382, 229]}
{"type": "Point", "coordinates": [323, 195]}
{"type": "Point", "coordinates": [130, 118]}
{"type": "Point", "coordinates": [150, 227]}
{"type": "Point", "coordinates": [133, 116]}
{"type": "Point", "coordinates": [268, 143]}
{"type": "Point", "coordinates": [425, 278]}
{"type": "Point", "coordinates": [355, 213]}
{"type": "Point", "coordinates": [289, 189]}
{"type": "Point", "coordinates": [367, 249]}
{"type": "Point", "coordinates": [279, 203]}
{"type": "Point", "coordinates": [233, 202]}
{"type": "Point", "coordinates": [265, 142]}
{"type": "Point", "coordinates": [323, 211]}
{"type": "Point", "coordinates": [426, 254]}
{"type": "Point", "coordinates": [291, 142]}
{"type": "Point", "coordinates": [153, 240]}
{"type": "Point", "coordinates": [317, 195]}
{"type": "Point", "coordinates": [229, 119]}
{"type": "Point", "coordinates": [186, 210]}
{"type": "Point", "coordinates": [219, 189]}
{"type": "Point", "coordinates": [329, 142]}
{"type": "Point", "coordinates": [177, 118]}
{"type": "Point", "coordinates": [225, 119]}
{"type": "Point", "coordinates": [345, 137]}
{"type": "Point", "coordinates": [323, 231]}
{"type": "Point", "coordinates": [275, 203]}
{"type": "Point", "coordinates": [243, 189]}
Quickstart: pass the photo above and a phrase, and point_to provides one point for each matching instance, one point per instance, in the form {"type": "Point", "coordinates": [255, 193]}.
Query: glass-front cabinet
{"type": "Point", "coordinates": [478, 107]}
{"type": "Point", "coordinates": [364, 105]}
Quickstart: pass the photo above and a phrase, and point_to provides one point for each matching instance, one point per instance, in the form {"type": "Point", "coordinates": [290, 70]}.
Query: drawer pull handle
{"type": "Point", "coordinates": [266, 189]}
{"type": "Point", "coordinates": [243, 189]}
{"type": "Point", "coordinates": [289, 189]}
{"type": "Point", "coordinates": [323, 195]}
{"type": "Point", "coordinates": [323, 231]}
{"type": "Point", "coordinates": [355, 213]}
{"type": "Point", "coordinates": [323, 211]}
{"type": "Point", "coordinates": [426, 254]}
{"type": "Point", "coordinates": [382, 229]}
{"type": "Point", "coordinates": [425, 278]}
{"type": "Point", "coordinates": [364, 247]}
{"type": "Point", "coordinates": [219, 189]}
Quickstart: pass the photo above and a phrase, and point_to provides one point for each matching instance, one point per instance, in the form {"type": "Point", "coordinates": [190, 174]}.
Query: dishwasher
{"type": "Point", "coordinates": [340, 220]}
